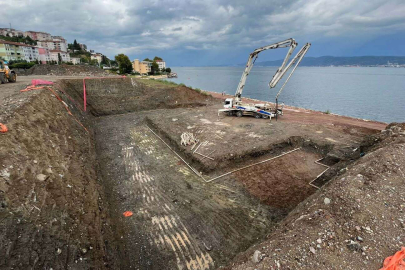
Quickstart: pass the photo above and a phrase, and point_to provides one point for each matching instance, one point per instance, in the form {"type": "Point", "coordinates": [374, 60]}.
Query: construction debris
{"type": "Point", "coordinates": [188, 138]}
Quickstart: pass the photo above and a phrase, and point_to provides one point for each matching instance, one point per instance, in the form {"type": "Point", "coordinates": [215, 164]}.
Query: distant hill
{"type": "Point", "coordinates": [341, 61]}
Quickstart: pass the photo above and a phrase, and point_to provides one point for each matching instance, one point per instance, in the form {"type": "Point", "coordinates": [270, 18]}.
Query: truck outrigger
{"type": "Point", "coordinates": [234, 106]}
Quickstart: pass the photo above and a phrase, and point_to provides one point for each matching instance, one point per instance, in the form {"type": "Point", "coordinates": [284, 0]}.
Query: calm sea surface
{"type": "Point", "coordinates": [362, 92]}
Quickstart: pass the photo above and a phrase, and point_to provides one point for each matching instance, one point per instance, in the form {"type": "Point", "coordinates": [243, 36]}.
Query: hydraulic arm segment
{"type": "Point", "coordinates": [280, 71]}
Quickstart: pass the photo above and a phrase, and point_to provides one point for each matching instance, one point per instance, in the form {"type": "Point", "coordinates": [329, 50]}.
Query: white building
{"type": "Point", "coordinates": [30, 53]}
{"type": "Point", "coordinates": [161, 64]}
{"type": "Point", "coordinates": [11, 32]}
{"type": "Point", "coordinates": [56, 43]}
{"type": "Point", "coordinates": [97, 56]}
{"type": "Point", "coordinates": [64, 55]}
{"type": "Point", "coordinates": [37, 35]}
{"type": "Point", "coordinates": [75, 60]}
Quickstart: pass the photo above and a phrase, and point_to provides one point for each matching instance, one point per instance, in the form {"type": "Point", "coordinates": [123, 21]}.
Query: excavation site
{"type": "Point", "coordinates": [124, 173]}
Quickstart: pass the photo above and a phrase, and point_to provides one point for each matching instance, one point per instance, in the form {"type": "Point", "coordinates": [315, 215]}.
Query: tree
{"type": "Point", "coordinates": [113, 63]}
{"type": "Point", "coordinates": [124, 64]}
{"type": "Point", "coordinates": [157, 58]}
{"type": "Point", "coordinates": [94, 62]}
{"type": "Point", "coordinates": [154, 68]}
{"type": "Point", "coordinates": [147, 59]}
{"type": "Point", "coordinates": [59, 59]}
{"type": "Point", "coordinates": [168, 70]}
{"type": "Point", "coordinates": [105, 61]}
{"type": "Point", "coordinates": [76, 46]}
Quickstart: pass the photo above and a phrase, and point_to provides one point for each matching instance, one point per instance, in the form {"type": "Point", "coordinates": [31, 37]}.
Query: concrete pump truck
{"type": "Point", "coordinates": [234, 106]}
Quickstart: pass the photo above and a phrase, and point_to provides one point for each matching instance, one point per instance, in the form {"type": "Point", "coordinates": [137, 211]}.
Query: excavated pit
{"type": "Point", "coordinates": [179, 221]}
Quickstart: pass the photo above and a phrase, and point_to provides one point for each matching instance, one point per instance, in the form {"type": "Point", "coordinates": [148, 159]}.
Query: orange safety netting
{"type": "Point", "coordinates": [3, 128]}
{"type": "Point", "coordinates": [395, 262]}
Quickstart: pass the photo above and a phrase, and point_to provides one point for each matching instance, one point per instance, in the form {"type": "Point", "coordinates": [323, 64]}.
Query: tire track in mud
{"type": "Point", "coordinates": [167, 232]}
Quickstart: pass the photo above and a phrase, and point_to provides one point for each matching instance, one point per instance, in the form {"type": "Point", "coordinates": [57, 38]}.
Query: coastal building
{"type": "Point", "coordinates": [44, 55]}
{"type": "Point", "coordinates": [97, 56]}
{"type": "Point", "coordinates": [31, 53]}
{"type": "Point", "coordinates": [10, 32]}
{"type": "Point", "coordinates": [142, 67]}
{"type": "Point", "coordinates": [56, 43]}
{"type": "Point", "coordinates": [11, 50]}
{"type": "Point", "coordinates": [38, 35]}
{"type": "Point", "coordinates": [83, 46]}
{"type": "Point", "coordinates": [75, 60]}
{"type": "Point", "coordinates": [54, 55]}
{"type": "Point", "coordinates": [161, 64]}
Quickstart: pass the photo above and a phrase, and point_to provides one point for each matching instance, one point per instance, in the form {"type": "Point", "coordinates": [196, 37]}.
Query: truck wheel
{"type": "Point", "coordinates": [239, 114]}
{"type": "Point", "coordinates": [2, 78]}
{"type": "Point", "coordinates": [229, 113]}
{"type": "Point", "coordinates": [12, 78]}
{"type": "Point", "coordinates": [258, 116]}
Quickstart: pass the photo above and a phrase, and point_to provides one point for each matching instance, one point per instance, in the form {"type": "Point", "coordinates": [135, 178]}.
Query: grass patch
{"type": "Point", "coordinates": [327, 112]}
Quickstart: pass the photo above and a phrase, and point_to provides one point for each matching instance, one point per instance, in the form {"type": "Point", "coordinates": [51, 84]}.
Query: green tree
{"type": "Point", "coordinates": [76, 46]}
{"type": "Point", "coordinates": [59, 59]}
{"type": "Point", "coordinates": [154, 68]}
{"type": "Point", "coordinates": [113, 63]}
{"type": "Point", "coordinates": [147, 59]}
{"type": "Point", "coordinates": [168, 70]}
{"type": "Point", "coordinates": [105, 61]}
{"type": "Point", "coordinates": [124, 64]}
{"type": "Point", "coordinates": [157, 58]}
{"type": "Point", "coordinates": [94, 62]}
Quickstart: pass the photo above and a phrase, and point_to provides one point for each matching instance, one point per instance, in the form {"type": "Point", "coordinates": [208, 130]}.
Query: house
{"type": "Point", "coordinates": [97, 56]}
{"type": "Point", "coordinates": [161, 64]}
{"type": "Point", "coordinates": [75, 60]}
{"type": "Point", "coordinates": [142, 67]}
{"type": "Point", "coordinates": [55, 55]}
{"type": "Point", "coordinates": [83, 46]}
{"type": "Point", "coordinates": [11, 50]}
{"type": "Point", "coordinates": [38, 35]}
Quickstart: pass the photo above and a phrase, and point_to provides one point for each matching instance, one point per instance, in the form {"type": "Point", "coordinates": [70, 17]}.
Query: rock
{"type": "Point", "coordinates": [41, 177]}
{"type": "Point", "coordinates": [319, 241]}
{"type": "Point", "coordinates": [359, 238]}
{"type": "Point", "coordinates": [326, 201]}
{"type": "Point", "coordinates": [354, 246]}
{"type": "Point", "coordinates": [49, 170]}
{"type": "Point", "coordinates": [84, 251]}
{"type": "Point", "coordinates": [312, 250]}
{"type": "Point", "coordinates": [58, 251]}
{"type": "Point", "coordinates": [257, 256]}
{"type": "Point", "coordinates": [35, 162]}
{"type": "Point", "coordinates": [174, 119]}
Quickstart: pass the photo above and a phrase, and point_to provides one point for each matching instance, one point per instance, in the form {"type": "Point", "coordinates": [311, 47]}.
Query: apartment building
{"type": "Point", "coordinates": [161, 64]}
{"type": "Point", "coordinates": [11, 50]}
{"type": "Point", "coordinates": [142, 67]}
{"type": "Point", "coordinates": [38, 35]}
{"type": "Point", "coordinates": [58, 43]}
{"type": "Point", "coordinates": [54, 55]}
{"type": "Point", "coordinates": [11, 32]}
{"type": "Point", "coordinates": [44, 55]}
{"type": "Point", "coordinates": [30, 53]}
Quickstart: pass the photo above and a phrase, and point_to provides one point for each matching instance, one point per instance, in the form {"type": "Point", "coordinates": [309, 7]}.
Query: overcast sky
{"type": "Point", "coordinates": [215, 32]}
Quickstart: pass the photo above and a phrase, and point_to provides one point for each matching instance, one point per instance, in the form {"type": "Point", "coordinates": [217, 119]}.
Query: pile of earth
{"type": "Point", "coordinates": [66, 70]}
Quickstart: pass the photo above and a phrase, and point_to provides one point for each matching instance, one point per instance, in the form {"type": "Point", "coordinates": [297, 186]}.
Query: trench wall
{"type": "Point", "coordinates": [51, 209]}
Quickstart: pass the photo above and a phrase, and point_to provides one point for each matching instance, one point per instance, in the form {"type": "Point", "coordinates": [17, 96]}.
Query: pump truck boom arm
{"type": "Point", "coordinates": [252, 58]}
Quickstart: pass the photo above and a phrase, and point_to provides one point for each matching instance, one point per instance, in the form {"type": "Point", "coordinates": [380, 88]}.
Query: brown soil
{"type": "Point", "coordinates": [354, 222]}
{"type": "Point", "coordinates": [51, 209]}
{"type": "Point", "coordinates": [282, 183]}
{"type": "Point", "coordinates": [63, 190]}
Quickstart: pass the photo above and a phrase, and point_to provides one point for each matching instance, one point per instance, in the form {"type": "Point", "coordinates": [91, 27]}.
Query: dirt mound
{"type": "Point", "coordinates": [66, 70]}
{"type": "Point", "coordinates": [354, 222]}
{"type": "Point", "coordinates": [123, 95]}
